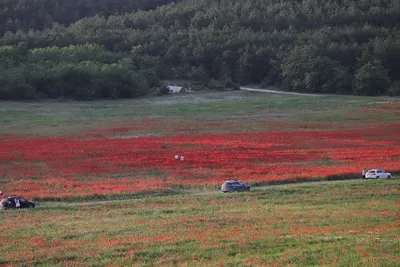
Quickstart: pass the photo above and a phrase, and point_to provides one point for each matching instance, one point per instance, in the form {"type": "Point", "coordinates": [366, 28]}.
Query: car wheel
{"type": "Point", "coordinates": [389, 177]}
{"type": "Point", "coordinates": [377, 177]}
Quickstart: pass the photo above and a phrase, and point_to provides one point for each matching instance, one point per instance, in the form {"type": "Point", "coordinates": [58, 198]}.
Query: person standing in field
{"type": "Point", "coordinates": [177, 157]}
{"type": "Point", "coordinates": [17, 204]}
{"type": "Point", "coordinates": [182, 158]}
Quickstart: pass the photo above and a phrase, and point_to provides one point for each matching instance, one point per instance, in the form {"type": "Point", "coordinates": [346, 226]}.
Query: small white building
{"type": "Point", "coordinates": [174, 89]}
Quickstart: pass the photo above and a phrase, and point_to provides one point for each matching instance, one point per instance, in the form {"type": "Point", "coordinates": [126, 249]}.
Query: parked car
{"type": "Point", "coordinates": [234, 186]}
{"type": "Point", "coordinates": [10, 202]}
{"type": "Point", "coordinates": [377, 173]}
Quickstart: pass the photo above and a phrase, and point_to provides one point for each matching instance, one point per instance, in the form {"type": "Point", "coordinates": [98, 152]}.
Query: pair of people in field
{"type": "Point", "coordinates": [16, 200]}
{"type": "Point", "coordinates": [181, 157]}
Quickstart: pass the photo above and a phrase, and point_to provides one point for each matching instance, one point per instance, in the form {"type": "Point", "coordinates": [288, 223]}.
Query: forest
{"type": "Point", "coordinates": [92, 49]}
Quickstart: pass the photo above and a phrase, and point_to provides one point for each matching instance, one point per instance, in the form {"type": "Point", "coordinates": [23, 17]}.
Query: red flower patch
{"type": "Point", "coordinates": [60, 167]}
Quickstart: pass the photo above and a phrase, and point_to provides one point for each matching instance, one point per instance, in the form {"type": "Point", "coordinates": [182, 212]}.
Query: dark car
{"type": "Point", "coordinates": [234, 186]}
{"type": "Point", "coordinates": [10, 203]}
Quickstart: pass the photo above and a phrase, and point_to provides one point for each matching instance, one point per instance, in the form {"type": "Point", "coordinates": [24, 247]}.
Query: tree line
{"type": "Point", "coordinates": [40, 14]}
{"type": "Point", "coordinates": [345, 46]}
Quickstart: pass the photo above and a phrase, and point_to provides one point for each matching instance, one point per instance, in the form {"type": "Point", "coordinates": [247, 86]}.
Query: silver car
{"type": "Point", "coordinates": [234, 186]}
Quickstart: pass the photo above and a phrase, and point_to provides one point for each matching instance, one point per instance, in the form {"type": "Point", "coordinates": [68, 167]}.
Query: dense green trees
{"type": "Point", "coordinates": [82, 72]}
{"type": "Point", "coordinates": [344, 46]}
{"type": "Point", "coordinates": [40, 14]}
{"type": "Point", "coordinates": [371, 79]}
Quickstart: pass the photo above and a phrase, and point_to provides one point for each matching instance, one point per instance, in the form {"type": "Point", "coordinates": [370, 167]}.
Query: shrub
{"type": "Point", "coordinates": [163, 90]}
{"type": "Point", "coordinates": [394, 89]}
{"type": "Point", "coordinates": [216, 84]}
{"type": "Point", "coordinates": [371, 79]}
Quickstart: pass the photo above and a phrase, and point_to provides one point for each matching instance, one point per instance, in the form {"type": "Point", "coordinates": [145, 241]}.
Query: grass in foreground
{"type": "Point", "coordinates": [350, 223]}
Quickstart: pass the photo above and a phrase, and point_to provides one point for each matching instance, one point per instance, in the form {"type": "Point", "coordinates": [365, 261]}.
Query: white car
{"type": "Point", "coordinates": [377, 173]}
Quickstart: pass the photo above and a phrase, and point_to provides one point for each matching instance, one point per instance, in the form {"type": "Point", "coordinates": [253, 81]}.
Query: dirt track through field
{"type": "Point", "coordinates": [273, 91]}
{"type": "Point", "coordinates": [196, 193]}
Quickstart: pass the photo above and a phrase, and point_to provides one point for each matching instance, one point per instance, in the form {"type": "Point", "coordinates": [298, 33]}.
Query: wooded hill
{"type": "Point", "coordinates": [40, 14]}
{"type": "Point", "coordinates": [347, 47]}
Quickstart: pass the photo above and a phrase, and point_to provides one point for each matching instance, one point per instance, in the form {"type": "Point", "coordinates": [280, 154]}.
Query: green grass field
{"type": "Point", "coordinates": [348, 223]}
{"type": "Point", "coordinates": [50, 118]}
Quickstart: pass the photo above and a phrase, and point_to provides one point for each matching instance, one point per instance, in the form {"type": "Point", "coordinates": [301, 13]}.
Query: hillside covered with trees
{"type": "Point", "coordinates": [87, 49]}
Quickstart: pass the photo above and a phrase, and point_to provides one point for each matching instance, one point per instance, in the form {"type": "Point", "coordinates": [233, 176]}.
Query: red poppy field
{"type": "Point", "coordinates": [72, 166]}
{"type": "Point", "coordinates": [138, 155]}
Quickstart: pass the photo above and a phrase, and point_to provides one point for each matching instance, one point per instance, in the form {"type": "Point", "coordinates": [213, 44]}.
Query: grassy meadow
{"type": "Point", "coordinates": [346, 223]}
{"type": "Point", "coordinates": [110, 193]}
{"type": "Point", "coordinates": [120, 149]}
{"type": "Point", "coordinates": [241, 109]}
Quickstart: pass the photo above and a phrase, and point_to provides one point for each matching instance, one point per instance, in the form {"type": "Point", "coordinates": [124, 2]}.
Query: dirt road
{"type": "Point", "coordinates": [273, 91]}
{"type": "Point", "coordinates": [194, 193]}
